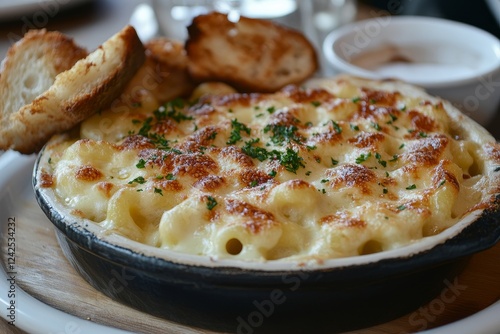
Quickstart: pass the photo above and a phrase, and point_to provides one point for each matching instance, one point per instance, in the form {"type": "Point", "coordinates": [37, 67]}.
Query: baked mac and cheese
{"type": "Point", "coordinates": [341, 168]}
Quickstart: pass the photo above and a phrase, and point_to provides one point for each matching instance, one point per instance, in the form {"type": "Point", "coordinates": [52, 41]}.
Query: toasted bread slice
{"type": "Point", "coordinates": [87, 87]}
{"type": "Point", "coordinates": [164, 73]}
{"type": "Point", "coordinates": [250, 55]}
{"type": "Point", "coordinates": [30, 68]}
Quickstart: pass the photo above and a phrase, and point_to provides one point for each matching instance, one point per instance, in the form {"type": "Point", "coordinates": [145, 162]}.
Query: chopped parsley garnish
{"type": "Point", "coordinates": [311, 148]}
{"type": "Point", "coordinates": [139, 180]}
{"type": "Point", "coordinates": [411, 187]}
{"type": "Point", "coordinates": [170, 110]}
{"type": "Point", "coordinates": [401, 146]}
{"type": "Point", "coordinates": [363, 157]}
{"type": "Point", "coordinates": [422, 134]}
{"type": "Point", "coordinates": [309, 124]}
{"type": "Point", "coordinates": [141, 164]}
{"type": "Point", "coordinates": [211, 202]}
{"type": "Point", "coordinates": [394, 158]}
{"type": "Point", "coordinates": [158, 191]}
{"type": "Point", "coordinates": [356, 99]}
{"type": "Point", "coordinates": [442, 183]}
{"type": "Point", "coordinates": [316, 103]}
{"type": "Point", "coordinates": [272, 173]}
{"type": "Point", "coordinates": [291, 160]}
{"type": "Point", "coordinates": [255, 152]}
{"type": "Point", "coordinates": [271, 110]}
{"type": "Point", "coordinates": [354, 127]}
{"type": "Point", "coordinates": [324, 180]}
{"type": "Point", "coordinates": [334, 162]}
{"type": "Point", "coordinates": [376, 126]}
{"type": "Point", "coordinates": [283, 133]}
{"type": "Point", "coordinates": [308, 173]}
{"type": "Point", "coordinates": [253, 183]}
{"type": "Point", "coordinates": [336, 127]}
{"type": "Point", "coordinates": [385, 191]}
{"type": "Point", "coordinates": [379, 160]}
{"type": "Point", "coordinates": [235, 135]}
{"type": "Point", "coordinates": [401, 207]}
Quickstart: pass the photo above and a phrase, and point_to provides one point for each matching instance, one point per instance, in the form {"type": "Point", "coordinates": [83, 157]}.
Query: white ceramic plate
{"type": "Point", "coordinates": [33, 316]}
{"type": "Point", "coordinates": [34, 10]}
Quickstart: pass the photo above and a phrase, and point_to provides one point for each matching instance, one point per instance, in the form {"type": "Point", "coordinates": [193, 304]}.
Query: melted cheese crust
{"type": "Point", "coordinates": [339, 170]}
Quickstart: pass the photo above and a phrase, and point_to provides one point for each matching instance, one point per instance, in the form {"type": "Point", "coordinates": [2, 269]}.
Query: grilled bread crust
{"type": "Point", "coordinates": [74, 94]}
{"type": "Point", "coordinates": [250, 55]}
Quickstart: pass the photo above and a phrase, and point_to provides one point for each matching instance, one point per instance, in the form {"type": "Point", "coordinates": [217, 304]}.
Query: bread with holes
{"type": "Point", "coordinates": [250, 54]}
{"type": "Point", "coordinates": [43, 102]}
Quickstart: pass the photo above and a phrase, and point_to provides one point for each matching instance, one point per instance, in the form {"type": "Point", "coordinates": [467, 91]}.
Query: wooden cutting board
{"type": "Point", "coordinates": [45, 273]}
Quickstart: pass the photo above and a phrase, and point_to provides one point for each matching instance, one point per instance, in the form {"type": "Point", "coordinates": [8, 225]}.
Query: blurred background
{"type": "Point", "coordinates": [484, 14]}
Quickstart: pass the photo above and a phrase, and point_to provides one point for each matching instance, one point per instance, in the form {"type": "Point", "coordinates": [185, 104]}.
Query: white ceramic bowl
{"type": "Point", "coordinates": [455, 61]}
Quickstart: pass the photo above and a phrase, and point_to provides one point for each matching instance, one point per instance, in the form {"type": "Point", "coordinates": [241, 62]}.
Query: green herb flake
{"type": "Point", "coordinates": [401, 207]}
{"type": "Point", "coordinates": [253, 183]}
{"type": "Point", "coordinates": [363, 157]}
{"type": "Point", "coordinates": [158, 191]}
{"type": "Point", "coordinates": [291, 160]}
{"type": "Point", "coordinates": [170, 110]}
{"type": "Point", "coordinates": [325, 180]}
{"type": "Point", "coordinates": [411, 187]}
{"type": "Point", "coordinates": [334, 162]}
{"type": "Point", "coordinates": [211, 203]}
{"type": "Point", "coordinates": [394, 158]}
{"type": "Point", "coordinates": [422, 134]}
{"type": "Point", "coordinates": [354, 127]}
{"type": "Point", "coordinates": [308, 173]}
{"type": "Point", "coordinates": [442, 183]}
{"type": "Point", "coordinates": [376, 126]}
{"type": "Point", "coordinates": [255, 152]}
{"type": "Point", "coordinates": [356, 99]}
{"type": "Point", "coordinates": [139, 180]}
{"type": "Point", "coordinates": [316, 103]}
{"type": "Point", "coordinates": [237, 128]}
{"type": "Point", "coordinates": [271, 110]}
{"type": "Point", "coordinates": [283, 133]}
{"type": "Point", "coordinates": [141, 164]}
{"type": "Point", "coordinates": [311, 148]}
{"type": "Point", "coordinates": [385, 191]}
{"type": "Point", "coordinates": [401, 146]}
{"type": "Point", "coordinates": [336, 127]}
{"type": "Point", "coordinates": [272, 173]}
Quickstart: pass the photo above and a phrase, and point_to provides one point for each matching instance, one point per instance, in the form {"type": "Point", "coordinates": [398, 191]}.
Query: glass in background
{"type": "Point", "coordinates": [320, 17]}
{"type": "Point", "coordinates": [175, 15]}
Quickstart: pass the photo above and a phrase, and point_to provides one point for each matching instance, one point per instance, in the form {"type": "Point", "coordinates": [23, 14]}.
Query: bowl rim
{"type": "Point", "coordinates": [339, 63]}
{"type": "Point", "coordinates": [117, 248]}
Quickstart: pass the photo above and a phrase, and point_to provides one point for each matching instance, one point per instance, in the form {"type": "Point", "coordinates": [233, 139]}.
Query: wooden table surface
{"type": "Point", "coordinates": [45, 274]}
